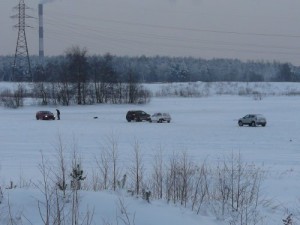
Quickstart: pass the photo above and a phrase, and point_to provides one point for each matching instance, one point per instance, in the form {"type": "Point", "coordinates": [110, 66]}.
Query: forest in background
{"type": "Point", "coordinates": [111, 68]}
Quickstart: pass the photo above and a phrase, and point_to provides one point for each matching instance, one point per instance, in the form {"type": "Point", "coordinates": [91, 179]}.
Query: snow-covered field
{"type": "Point", "coordinates": [206, 128]}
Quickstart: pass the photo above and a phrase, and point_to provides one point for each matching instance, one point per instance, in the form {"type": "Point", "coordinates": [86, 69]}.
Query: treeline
{"type": "Point", "coordinates": [77, 79]}
{"type": "Point", "coordinates": [109, 68]}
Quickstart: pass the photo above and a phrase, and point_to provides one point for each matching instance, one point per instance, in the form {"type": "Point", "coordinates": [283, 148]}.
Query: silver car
{"type": "Point", "coordinates": [253, 120]}
{"type": "Point", "coordinates": [160, 117]}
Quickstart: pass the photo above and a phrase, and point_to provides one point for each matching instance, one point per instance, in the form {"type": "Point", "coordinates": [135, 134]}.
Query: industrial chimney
{"type": "Point", "coordinates": [41, 34]}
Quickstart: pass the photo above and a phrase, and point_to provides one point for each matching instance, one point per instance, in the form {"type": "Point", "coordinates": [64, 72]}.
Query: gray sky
{"type": "Point", "coordinates": [243, 29]}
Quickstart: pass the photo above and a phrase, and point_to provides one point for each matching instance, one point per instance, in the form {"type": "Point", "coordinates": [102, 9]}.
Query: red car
{"type": "Point", "coordinates": [44, 115]}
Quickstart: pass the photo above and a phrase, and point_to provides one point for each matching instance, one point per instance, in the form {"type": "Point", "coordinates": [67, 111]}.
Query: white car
{"type": "Point", "coordinates": [160, 117]}
{"type": "Point", "coordinates": [253, 120]}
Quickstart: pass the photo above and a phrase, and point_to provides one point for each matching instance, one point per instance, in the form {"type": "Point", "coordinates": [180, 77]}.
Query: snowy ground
{"type": "Point", "coordinates": [206, 128]}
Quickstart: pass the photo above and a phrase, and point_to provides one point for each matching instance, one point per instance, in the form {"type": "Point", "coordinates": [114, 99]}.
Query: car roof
{"type": "Point", "coordinates": [257, 115]}
{"type": "Point", "coordinates": [135, 111]}
{"type": "Point", "coordinates": [44, 111]}
{"type": "Point", "coordinates": [161, 113]}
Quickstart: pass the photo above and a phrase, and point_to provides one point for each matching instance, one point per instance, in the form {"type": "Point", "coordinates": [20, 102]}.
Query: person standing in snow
{"type": "Point", "coordinates": [58, 114]}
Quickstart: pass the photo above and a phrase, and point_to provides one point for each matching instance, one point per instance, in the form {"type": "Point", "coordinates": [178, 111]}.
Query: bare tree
{"type": "Point", "coordinates": [187, 171]}
{"type": "Point", "coordinates": [236, 191]}
{"type": "Point", "coordinates": [12, 218]}
{"type": "Point", "coordinates": [201, 188]}
{"type": "Point", "coordinates": [78, 66]}
{"type": "Point", "coordinates": [59, 213]}
{"type": "Point", "coordinates": [19, 95]}
{"type": "Point", "coordinates": [113, 154]}
{"type": "Point", "coordinates": [15, 98]}
{"type": "Point", "coordinates": [124, 214]}
{"type": "Point", "coordinates": [174, 179]}
{"type": "Point", "coordinates": [137, 168]}
{"type": "Point", "coordinates": [104, 167]}
{"type": "Point", "coordinates": [220, 191]}
{"type": "Point", "coordinates": [40, 92]}
{"type": "Point", "coordinates": [107, 173]}
{"type": "Point", "coordinates": [61, 175]}
{"type": "Point", "coordinates": [65, 92]}
{"type": "Point", "coordinates": [132, 87]}
{"type": "Point", "coordinates": [96, 181]}
{"type": "Point", "coordinates": [88, 217]}
{"type": "Point", "coordinates": [47, 190]}
{"type": "Point", "coordinates": [158, 175]}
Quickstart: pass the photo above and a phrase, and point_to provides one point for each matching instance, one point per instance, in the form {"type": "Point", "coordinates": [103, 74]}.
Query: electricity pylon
{"type": "Point", "coordinates": [21, 66]}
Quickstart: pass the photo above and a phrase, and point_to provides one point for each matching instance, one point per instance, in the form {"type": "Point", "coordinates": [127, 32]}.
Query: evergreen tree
{"type": "Point", "coordinates": [77, 177]}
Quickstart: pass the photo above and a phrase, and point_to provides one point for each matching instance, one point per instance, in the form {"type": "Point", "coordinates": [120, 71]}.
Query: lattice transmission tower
{"type": "Point", "coordinates": [21, 66]}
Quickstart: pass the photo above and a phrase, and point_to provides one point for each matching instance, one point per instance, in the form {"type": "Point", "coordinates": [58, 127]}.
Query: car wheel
{"type": "Point", "coordinates": [168, 121]}
{"type": "Point", "coordinates": [241, 123]}
{"type": "Point", "coordinates": [263, 124]}
{"type": "Point", "coordinates": [253, 124]}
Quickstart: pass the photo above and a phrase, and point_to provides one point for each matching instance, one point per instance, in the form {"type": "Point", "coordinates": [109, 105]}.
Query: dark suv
{"type": "Point", "coordinates": [137, 115]}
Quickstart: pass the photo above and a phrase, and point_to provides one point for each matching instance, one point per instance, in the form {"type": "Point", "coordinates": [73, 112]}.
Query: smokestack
{"type": "Point", "coordinates": [41, 34]}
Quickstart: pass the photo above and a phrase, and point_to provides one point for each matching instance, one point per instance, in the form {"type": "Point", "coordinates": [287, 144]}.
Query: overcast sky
{"type": "Point", "coordinates": [243, 29]}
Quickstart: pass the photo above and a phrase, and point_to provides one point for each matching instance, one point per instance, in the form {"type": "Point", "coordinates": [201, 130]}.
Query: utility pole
{"type": "Point", "coordinates": [21, 66]}
{"type": "Point", "coordinates": [41, 34]}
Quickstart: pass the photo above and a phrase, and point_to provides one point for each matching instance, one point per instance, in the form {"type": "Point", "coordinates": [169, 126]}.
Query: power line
{"type": "Point", "coordinates": [76, 25]}
{"type": "Point", "coordinates": [279, 35]}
